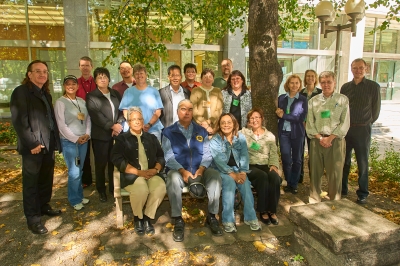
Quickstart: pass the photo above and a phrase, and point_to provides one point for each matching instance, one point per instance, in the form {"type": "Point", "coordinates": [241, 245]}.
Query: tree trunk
{"type": "Point", "coordinates": [265, 71]}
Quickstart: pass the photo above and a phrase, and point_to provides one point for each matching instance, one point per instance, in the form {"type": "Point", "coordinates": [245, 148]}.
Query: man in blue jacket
{"type": "Point", "coordinates": [187, 155]}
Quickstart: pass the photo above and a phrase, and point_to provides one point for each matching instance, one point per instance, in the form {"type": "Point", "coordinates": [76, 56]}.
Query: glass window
{"type": "Point", "coordinates": [46, 21]}
{"type": "Point", "coordinates": [12, 20]}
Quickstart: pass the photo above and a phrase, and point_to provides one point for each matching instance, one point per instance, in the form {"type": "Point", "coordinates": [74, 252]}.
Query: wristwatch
{"type": "Point", "coordinates": [150, 124]}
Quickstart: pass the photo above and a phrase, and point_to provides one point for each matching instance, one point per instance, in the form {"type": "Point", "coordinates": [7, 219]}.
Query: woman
{"type": "Point", "coordinates": [207, 101]}
{"type": "Point", "coordinates": [264, 166]}
{"type": "Point", "coordinates": [292, 111]}
{"type": "Point", "coordinates": [310, 90]}
{"type": "Point", "coordinates": [231, 159]}
{"type": "Point", "coordinates": [237, 97]}
{"type": "Point", "coordinates": [102, 104]}
{"type": "Point", "coordinates": [74, 125]}
{"type": "Point", "coordinates": [139, 156]}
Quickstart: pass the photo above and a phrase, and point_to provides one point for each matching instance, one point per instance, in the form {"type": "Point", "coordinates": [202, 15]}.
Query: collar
{"type": "Point", "coordinates": [230, 91]}
{"type": "Point", "coordinates": [362, 81]}
{"type": "Point", "coordinates": [296, 96]}
{"type": "Point", "coordinates": [86, 80]}
{"type": "Point", "coordinates": [136, 135]}
{"type": "Point", "coordinates": [305, 90]}
{"type": "Point", "coordinates": [180, 90]}
{"type": "Point", "coordinates": [183, 128]}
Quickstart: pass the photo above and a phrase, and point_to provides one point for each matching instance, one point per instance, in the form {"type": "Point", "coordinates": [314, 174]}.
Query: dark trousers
{"type": "Point", "coordinates": [37, 182]}
{"type": "Point", "coordinates": [291, 150]}
{"type": "Point", "coordinates": [359, 139]}
{"type": "Point", "coordinates": [267, 184]}
{"type": "Point", "coordinates": [87, 169]}
{"type": "Point", "coordinates": [102, 158]}
{"type": "Point", "coordinates": [302, 158]}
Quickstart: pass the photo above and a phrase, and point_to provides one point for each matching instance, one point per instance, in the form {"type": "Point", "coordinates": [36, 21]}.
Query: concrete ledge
{"type": "Point", "coordinates": [344, 233]}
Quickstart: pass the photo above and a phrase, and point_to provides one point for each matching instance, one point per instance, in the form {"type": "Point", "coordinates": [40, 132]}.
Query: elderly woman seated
{"type": "Point", "coordinates": [139, 158]}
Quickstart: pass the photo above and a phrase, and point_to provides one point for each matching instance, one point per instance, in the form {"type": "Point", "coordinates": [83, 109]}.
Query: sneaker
{"type": "Point", "coordinates": [254, 225]}
{"type": "Point", "coordinates": [85, 201]}
{"type": "Point", "coordinates": [229, 227]}
{"type": "Point", "coordinates": [78, 206]}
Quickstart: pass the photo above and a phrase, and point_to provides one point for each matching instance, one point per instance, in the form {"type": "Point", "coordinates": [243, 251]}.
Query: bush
{"type": "Point", "coordinates": [7, 134]}
{"type": "Point", "coordinates": [386, 168]}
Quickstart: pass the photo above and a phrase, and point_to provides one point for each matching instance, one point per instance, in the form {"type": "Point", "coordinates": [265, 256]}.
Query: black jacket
{"type": "Point", "coordinates": [100, 112]}
{"type": "Point", "coordinates": [167, 113]}
{"type": "Point", "coordinates": [125, 151]}
{"type": "Point", "coordinates": [30, 119]}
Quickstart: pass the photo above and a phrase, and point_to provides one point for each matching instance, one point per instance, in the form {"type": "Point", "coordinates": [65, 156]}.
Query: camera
{"type": "Point", "coordinates": [77, 161]}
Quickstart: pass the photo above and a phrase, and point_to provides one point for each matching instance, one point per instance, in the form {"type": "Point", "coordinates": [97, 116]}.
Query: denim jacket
{"type": "Point", "coordinates": [221, 151]}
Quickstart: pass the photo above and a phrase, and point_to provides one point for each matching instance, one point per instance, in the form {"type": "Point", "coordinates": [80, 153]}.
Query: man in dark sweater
{"type": "Point", "coordinates": [365, 104]}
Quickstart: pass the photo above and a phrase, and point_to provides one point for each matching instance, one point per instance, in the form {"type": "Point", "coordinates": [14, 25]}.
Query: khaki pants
{"type": "Point", "coordinates": [146, 192]}
{"type": "Point", "coordinates": [332, 160]}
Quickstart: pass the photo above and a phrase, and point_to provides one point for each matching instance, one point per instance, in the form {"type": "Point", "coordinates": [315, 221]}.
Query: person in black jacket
{"type": "Point", "coordinates": [139, 158]}
{"type": "Point", "coordinates": [33, 118]}
{"type": "Point", "coordinates": [171, 95]}
{"type": "Point", "coordinates": [102, 105]}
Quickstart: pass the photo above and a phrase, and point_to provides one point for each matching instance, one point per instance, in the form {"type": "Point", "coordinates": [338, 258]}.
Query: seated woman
{"type": "Point", "coordinates": [231, 159]}
{"type": "Point", "coordinates": [264, 165]}
{"type": "Point", "coordinates": [139, 158]}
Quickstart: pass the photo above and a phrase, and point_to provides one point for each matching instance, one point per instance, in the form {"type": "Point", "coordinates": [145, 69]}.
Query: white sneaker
{"type": "Point", "coordinates": [254, 225]}
{"type": "Point", "coordinates": [85, 201]}
{"type": "Point", "coordinates": [229, 227]}
{"type": "Point", "coordinates": [78, 206]}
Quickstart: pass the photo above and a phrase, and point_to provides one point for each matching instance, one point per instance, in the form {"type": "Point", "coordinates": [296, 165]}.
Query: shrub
{"type": "Point", "coordinates": [386, 168]}
{"type": "Point", "coordinates": [7, 134]}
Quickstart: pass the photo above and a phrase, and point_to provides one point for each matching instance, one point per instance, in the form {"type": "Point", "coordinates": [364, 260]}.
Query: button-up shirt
{"type": "Point", "coordinates": [328, 115]}
{"type": "Point", "coordinates": [286, 124]}
{"type": "Point", "coordinates": [176, 98]}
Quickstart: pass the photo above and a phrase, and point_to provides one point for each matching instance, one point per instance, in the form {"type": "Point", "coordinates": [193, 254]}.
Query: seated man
{"type": "Point", "coordinates": [139, 158]}
{"type": "Point", "coordinates": [188, 155]}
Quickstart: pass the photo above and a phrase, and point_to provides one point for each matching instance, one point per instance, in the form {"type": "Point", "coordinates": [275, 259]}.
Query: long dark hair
{"type": "Point", "coordinates": [28, 81]}
{"type": "Point", "coordinates": [236, 73]}
{"type": "Point", "coordinates": [217, 129]}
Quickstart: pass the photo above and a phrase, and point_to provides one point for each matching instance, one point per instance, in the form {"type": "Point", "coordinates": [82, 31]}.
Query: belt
{"type": "Point", "coordinates": [359, 125]}
{"type": "Point", "coordinates": [324, 135]}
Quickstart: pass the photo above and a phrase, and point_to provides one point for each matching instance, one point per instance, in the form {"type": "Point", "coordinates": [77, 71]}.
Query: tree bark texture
{"type": "Point", "coordinates": [265, 71]}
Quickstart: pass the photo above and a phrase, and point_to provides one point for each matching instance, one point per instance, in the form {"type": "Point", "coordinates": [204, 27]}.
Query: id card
{"type": "Point", "coordinates": [81, 116]}
{"type": "Point", "coordinates": [235, 102]}
{"type": "Point", "coordinates": [206, 104]}
{"type": "Point", "coordinates": [326, 114]}
{"type": "Point", "coordinates": [255, 146]}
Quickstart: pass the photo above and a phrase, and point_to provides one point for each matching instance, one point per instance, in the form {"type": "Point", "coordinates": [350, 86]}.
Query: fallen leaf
{"type": "Point", "coordinates": [98, 262]}
{"type": "Point", "coordinates": [7, 232]}
{"type": "Point", "coordinates": [253, 235]}
{"type": "Point", "coordinates": [127, 252]}
{"type": "Point", "coordinates": [2, 225]}
{"type": "Point", "coordinates": [35, 264]}
{"type": "Point", "coordinates": [54, 233]}
{"type": "Point", "coordinates": [259, 246]}
{"type": "Point", "coordinates": [287, 244]}
{"type": "Point", "coordinates": [323, 194]}
{"type": "Point", "coordinates": [101, 248]}
{"type": "Point", "coordinates": [285, 263]}
{"type": "Point", "coordinates": [270, 246]}
{"type": "Point", "coordinates": [169, 225]}
{"type": "Point", "coordinates": [148, 262]}
{"type": "Point", "coordinates": [69, 245]}
{"type": "Point", "coordinates": [201, 233]}
{"type": "Point", "coordinates": [206, 247]}
{"type": "Point", "coordinates": [333, 207]}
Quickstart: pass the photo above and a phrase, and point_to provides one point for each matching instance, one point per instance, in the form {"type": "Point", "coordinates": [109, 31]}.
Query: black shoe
{"type": "Point", "coordinates": [294, 191]}
{"type": "Point", "coordinates": [361, 200]}
{"type": "Point", "coordinates": [148, 228]}
{"type": "Point", "coordinates": [38, 228]}
{"type": "Point", "coordinates": [287, 189]}
{"type": "Point", "coordinates": [274, 221]}
{"type": "Point", "coordinates": [344, 193]}
{"type": "Point", "coordinates": [265, 221]}
{"type": "Point", "coordinates": [139, 228]}
{"type": "Point", "coordinates": [214, 226]}
{"type": "Point", "coordinates": [51, 212]}
{"type": "Point", "coordinates": [179, 230]}
{"type": "Point", "coordinates": [103, 196]}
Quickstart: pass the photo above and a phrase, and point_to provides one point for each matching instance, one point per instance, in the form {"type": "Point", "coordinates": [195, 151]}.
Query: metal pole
{"type": "Point", "coordinates": [28, 37]}
{"type": "Point", "coordinates": [337, 52]}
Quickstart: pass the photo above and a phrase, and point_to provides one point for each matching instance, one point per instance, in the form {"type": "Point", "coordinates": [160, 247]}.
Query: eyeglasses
{"type": "Point", "coordinates": [227, 123]}
{"type": "Point", "coordinates": [102, 77]}
{"type": "Point", "coordinates": [255, 118]}
{"type": "Point", "coordinates": [326, 83]}
{"type": "Point", "coordinates": [124, 68]}
{"type": "Point", "coordinates": [36, 71]}
{"type": "Point", "coordinates": [175, 76]}
{"type": "Point", "coordinates": [358, 68]}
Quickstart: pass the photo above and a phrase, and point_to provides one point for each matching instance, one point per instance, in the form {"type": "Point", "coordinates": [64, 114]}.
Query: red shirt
{"type": "Point", "coordinates": [121, 86]}
{"type": "Point", "coordinates": [186, 85]}
{"type": "Point", "coordinates": [85, 86]}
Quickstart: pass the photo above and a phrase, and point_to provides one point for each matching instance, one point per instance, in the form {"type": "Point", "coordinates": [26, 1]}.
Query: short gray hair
{"type": "Point", "coordinates": [139, 67]}
{"type": "Point", "coordinates": [134, 109]}
{"type": "Point", "coordinates": [184, 101]}
{"type": "Point", "coordinates": [327, 74]}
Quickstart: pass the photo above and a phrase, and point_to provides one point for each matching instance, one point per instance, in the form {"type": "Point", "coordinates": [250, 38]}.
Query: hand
{"type": "Point", "coordinates": [325, 142]}
{"type": "Point", "coordinates": [37, 150]}
{"type": "Point", "coordinates": [242, 177]}
{"type": "Point", "coordinates": [83, 139]}
{"type": "Point", "coordinates": [199, 172]}
{"type": "Point", "coordinates": [279, 112]}
{"type": "Point", "coordinates": [274, 168]}
{"type": "Point", "coordinates": [116, 128]}
{"type": "Point", "coordinates": [147, 174]}
{"type": "Point", "coordinates": [185, 175]}
{"type": "Point", "coordinates": [146, 127]}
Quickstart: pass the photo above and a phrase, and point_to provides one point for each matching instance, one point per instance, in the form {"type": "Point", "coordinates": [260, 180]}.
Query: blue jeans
{"type": "Point", "coordinates": [291, 150]}
{"type": "Point", "coordinates": [359, 139]}
{"type": "Point", "coordinates": [70, 152]}
{"type": "Point", "coordinates": [228, 199]}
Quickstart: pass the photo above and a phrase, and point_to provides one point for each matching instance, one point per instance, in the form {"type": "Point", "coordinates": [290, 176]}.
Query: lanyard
{"type": "Point", "coordinates": [76, 105]}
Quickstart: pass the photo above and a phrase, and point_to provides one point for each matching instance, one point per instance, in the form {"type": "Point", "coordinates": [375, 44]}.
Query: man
{"type": "Point", "coordinates": [126, 71]}
{"type": "Point", "coordinates": [187, 155]}
{"type": "Point", "coordinates": [171, 95]}
{"type": "Point", "coordinates": [190, 72]}
{"type": "Point", "coordinates": [33, 118]}
{"type": "Point", "coordinates": [145, 97]}
{"type": "Point", "coordinates": [86, 84]}
{"type": "Point", "coordinates": [328, 121]}
{"type": "Point", "coordinates": [226, 68]}
{"type": "Point", "coordinates": [365, 104]}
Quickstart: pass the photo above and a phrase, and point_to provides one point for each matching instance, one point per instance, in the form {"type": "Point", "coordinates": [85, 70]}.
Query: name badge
{"type": "Point", "coordinates": [206, 104]}
{"type": "Point", "coordinates": [235, 102]}
{"type": "Point", "coordinates": [81, 116]}
{"type": "Point", "coordinates": [326, 114]}
{"type": "Point", "coordinates": [255, 146]}
{"type": "Point", "coordinates": [287, 111]}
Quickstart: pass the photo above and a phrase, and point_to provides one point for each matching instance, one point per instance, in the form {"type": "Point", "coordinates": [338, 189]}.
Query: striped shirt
{"type": "Point", "coordinates": [328, 115]}
{"type": "Point", "coordinates": [364, 101]}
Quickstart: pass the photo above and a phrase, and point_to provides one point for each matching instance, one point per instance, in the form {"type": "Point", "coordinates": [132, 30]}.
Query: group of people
{"type": "Point", "coordinates": [205, 135]}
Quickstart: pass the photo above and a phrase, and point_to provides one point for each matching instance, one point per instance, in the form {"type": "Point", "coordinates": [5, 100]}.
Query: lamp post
{"type": "Point", "coordinates": [355, 10]}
